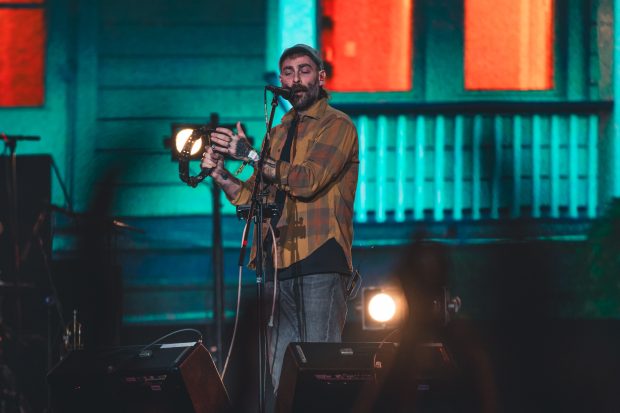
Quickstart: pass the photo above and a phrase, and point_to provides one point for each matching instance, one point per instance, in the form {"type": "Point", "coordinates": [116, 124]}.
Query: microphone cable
{"type": "Point", "coordinates": [234, 334]}
{"type": "Point", "coordinates": [274, 254]}
{"type": "Point", "coordinates": [113, 368]}
{"type": "Point", "coordinates": [273, 303]}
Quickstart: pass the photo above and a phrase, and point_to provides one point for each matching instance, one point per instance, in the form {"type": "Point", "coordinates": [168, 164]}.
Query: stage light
{"type": "Point", "coordinates": [188, 142]}
{"type": "Point", "coordinates": [182, 136]}
{"type": "Point", "coordinates": [180, 133]}
{"type": "Point", "coordinates": [383, 308]}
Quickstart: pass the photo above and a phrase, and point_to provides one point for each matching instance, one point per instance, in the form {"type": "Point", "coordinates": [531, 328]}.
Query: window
{"type": "Point", "coordinates": [367, 45]}
{"type": "Point", "coordinates": [508, 44]}
{"type": "Point", "coordinates": [22, 53]}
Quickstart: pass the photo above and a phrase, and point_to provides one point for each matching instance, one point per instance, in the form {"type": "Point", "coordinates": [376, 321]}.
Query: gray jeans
{"type": "Point", "coordinates": [309, 308]}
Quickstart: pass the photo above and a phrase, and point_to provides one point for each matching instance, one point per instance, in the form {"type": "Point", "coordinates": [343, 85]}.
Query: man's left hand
{"type": "Point", "coordinates": [234, 145]}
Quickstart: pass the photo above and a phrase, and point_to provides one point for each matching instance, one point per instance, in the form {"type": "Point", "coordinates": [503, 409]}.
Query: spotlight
{"type": "Point", "coordinates": [383, 308]}
{"type": "Point", "coordinates": [188, 142]}
{"type": "Point", "coordinates": [181, 138]}
{"type": "Point", "coordinates": [180, 133]}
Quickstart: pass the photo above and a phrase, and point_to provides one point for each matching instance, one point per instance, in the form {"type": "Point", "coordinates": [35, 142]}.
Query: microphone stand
{"type": "Point", "coordinates": [257, 213]}
{"type": "Point", "coordinates": [13, 219]}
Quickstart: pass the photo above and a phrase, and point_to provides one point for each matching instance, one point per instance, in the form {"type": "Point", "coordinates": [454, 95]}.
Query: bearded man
{"type": "Point", "coordinates": [311, 172]}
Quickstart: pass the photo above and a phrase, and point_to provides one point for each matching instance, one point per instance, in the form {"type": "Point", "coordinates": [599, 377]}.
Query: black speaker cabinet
{"type": "Point", "coordinates": [326, 377]}
{"type": "Point", "coordinates": [165, 378]}
{"type": "Point", "coordinates": [365, 377]}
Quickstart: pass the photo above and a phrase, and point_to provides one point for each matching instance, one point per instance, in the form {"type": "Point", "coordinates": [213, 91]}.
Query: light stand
{"type": "Point", "coordinates": [218, 274]}
{"type": "Point", "coordinates": [203, 133]}
{"type": "Point", "coordinates": [257, 212]}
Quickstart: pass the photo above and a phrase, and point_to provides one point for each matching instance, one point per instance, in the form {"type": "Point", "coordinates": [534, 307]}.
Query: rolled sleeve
{"type": "Point", "coordinates": [244, 195]}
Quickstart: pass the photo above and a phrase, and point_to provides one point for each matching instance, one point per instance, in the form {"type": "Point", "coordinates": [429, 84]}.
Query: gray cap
{"type": "Point", "coordinates": [304, 49]}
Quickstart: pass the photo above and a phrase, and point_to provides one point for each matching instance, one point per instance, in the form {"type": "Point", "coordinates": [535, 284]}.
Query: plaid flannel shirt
{"type": "Point", "coordinates": [320, 183]}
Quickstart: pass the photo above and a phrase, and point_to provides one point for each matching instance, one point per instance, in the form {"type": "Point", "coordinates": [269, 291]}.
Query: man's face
{"type": "Point", "coordinates": [302, 76]}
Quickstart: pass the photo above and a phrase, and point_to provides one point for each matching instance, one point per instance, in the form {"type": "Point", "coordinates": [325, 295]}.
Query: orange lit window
{"type": "Point", "coordinates": [22, 53]}
{"type": "Point", "coordinates": [508, 44]}
{"type": "Point", "coordinates": [367, 44]}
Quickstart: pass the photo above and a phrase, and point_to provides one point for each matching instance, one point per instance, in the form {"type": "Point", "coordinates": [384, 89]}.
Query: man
{"type": "Point", "coordinates": [311, 174]}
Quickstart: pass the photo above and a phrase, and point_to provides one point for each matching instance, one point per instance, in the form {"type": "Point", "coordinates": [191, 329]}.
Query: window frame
{"type": "Point", "coordinates": [33, 5]}
{"type": "Point", "coordinates": [569, 56]}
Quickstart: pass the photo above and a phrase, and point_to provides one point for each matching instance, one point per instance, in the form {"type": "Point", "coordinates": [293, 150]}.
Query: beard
{"type": "Point", "coordinates": [307, 98]}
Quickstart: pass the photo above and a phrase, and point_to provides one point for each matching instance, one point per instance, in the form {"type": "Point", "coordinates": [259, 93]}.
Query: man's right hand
{"type": "Point", "coordinates": [212, 160]}
{"type": "Point", "coordinates": [229, 184]}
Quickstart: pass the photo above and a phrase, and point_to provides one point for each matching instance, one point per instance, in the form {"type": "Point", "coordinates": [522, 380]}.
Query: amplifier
{"type": "Point", "coordinates": [366, 377]}
{"type": "Point", "coordinates": [330, 376]}
{"type": "Point", "coordinates": [178, 377]}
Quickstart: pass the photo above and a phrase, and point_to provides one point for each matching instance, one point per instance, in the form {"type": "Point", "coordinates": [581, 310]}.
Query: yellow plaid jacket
{"type": "Point", "coordinates": [320, 183]}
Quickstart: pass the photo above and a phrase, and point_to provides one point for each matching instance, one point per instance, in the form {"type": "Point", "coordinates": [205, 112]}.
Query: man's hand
{"type": "Point", "coordinates": [212, 160]}
{"type": "Point", "coordinates": [236, 146]}
{"type": "Point", "coordinates": [229, 184]}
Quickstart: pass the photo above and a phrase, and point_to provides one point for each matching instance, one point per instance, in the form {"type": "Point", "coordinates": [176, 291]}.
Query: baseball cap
{"type": "Point", "coordinates": [304, 49]}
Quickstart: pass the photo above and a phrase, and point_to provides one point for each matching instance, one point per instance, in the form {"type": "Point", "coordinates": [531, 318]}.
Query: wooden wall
{"type": "Point", "coordinates": [158, 62]}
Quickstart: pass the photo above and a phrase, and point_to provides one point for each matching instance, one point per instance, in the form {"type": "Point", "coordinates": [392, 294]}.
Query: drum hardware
{"type": "Point", "coordinates": [72, 338]}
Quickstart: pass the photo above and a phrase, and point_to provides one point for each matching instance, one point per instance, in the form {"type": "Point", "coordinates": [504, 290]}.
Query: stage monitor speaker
{"type": "Point", "coordinates": [326, 377]}
{"type": "Point", "coordinates": [344, 377]}
{"type": "Point", "coordinates": [166, 378]}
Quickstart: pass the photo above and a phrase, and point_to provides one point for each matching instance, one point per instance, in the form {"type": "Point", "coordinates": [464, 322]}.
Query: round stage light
{"type": "Point", "coordinates": [382, 307]}
{"type": "Point", "coordinates": [182, 136]}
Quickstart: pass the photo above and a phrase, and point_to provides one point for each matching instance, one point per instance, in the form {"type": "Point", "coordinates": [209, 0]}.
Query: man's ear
{"type": "Point", "coordinates": [322, 77]}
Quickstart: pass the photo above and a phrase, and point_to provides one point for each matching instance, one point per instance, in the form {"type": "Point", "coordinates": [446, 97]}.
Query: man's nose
{"type": "Point", "coordinates": [297, 77]}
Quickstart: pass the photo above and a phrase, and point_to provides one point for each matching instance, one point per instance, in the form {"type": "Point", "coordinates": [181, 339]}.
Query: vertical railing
{"type": "Point", "coordinates": [457, 209]}
{"type": "Point", "coordinates": [401, 166]}
{"type": "Point", "coordinates": [382, 182]}
{"type": "Point", "coordinates": [516, 164]}
{"type": "Point", "coordinates": [420, 135]}
{"type": "Point", "coordinates": [554, 172]}
{"type": "Point", "coordinates": [361, 202]}
{"type": "Point", "coordinates": [573, 166]}
{"type": "Point", "coordinates": [477, 166]}
{"type": "Point", "coordinates": [592, 165]}
{"type": "Point", "coordinates": [497, 167]}
{"type": "Point", "coordinates": [536, 164]}
{"type": "Point", "coordinates": [440, 137]}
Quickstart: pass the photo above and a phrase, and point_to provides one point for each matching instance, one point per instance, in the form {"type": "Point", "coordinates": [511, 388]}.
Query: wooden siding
{"type": "Point", "coordinates": [160, 62]}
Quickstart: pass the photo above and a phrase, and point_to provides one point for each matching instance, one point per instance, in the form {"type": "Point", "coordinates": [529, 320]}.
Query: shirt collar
{"type": "Point", "coordinates": [315, 111]}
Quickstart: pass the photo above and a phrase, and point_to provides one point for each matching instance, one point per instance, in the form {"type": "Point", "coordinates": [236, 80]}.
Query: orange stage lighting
{"type": "Point", "coordinates": [368, 45]}
{"type": "Point", "coordinates": [22, 56]}
{"type": "Point", "coordinates": [508, 44]}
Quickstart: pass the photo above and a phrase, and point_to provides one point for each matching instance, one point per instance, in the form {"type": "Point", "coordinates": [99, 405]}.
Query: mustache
{"type": "Point", "coordinates": [298, 88]}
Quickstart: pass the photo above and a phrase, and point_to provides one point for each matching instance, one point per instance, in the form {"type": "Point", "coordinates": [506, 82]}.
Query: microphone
{"type": "Point", "coordinates": [279, 91]}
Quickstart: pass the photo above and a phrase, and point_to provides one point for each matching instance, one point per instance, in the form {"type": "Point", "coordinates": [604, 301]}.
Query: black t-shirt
{"type": "Point", "coordinates": [328, 258]}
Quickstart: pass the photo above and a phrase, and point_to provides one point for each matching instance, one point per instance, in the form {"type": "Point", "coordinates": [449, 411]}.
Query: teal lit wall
{"type": "Point", "coordinates": [117, 76]}
{"type": "Point", "coordinates": [456, 166]}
